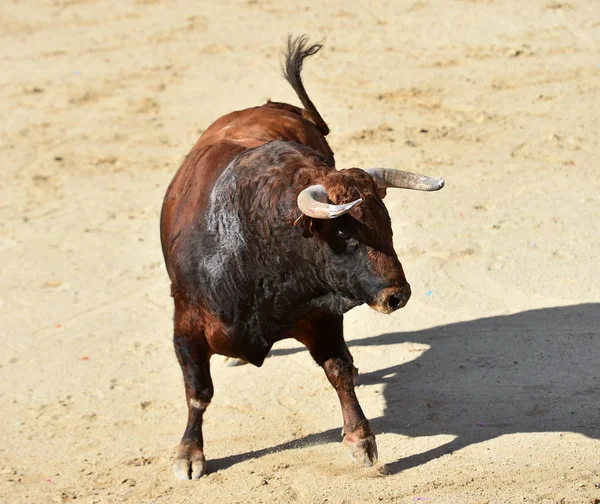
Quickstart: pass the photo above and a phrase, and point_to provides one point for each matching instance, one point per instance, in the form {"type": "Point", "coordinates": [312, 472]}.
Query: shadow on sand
{"type": "Point", "coordinates": [534, 371]}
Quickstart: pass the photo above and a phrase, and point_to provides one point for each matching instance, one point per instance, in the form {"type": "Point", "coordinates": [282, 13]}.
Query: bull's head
{"type": "Point", "coordinates": [347, 212]}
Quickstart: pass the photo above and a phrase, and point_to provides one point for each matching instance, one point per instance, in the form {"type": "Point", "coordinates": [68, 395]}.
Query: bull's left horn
{"type": "Point", "coordinates": [312, 202]}
{"type": "Point", "coordinates": [388, 177]}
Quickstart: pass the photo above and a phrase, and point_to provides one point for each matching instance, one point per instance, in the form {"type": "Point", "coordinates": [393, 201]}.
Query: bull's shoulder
{"type": "Point", "coordinates": [187, 196]}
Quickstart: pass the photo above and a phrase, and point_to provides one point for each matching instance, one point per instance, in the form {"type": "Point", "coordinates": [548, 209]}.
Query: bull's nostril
{"type": "Point", "coordinates": [394, 301]}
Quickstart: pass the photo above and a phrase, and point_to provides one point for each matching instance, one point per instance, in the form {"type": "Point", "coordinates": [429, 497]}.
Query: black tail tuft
{"type": "Point", "coordinates": [297, 50]}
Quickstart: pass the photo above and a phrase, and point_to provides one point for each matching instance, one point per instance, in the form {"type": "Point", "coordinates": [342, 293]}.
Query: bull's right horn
{"type": "Point", "coordinates": [312, 202]}
{"type": "Point", "coordinates": [388, 177]}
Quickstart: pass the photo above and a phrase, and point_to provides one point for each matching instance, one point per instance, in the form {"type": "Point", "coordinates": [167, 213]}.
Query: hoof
{"type": "Point", "coordinates": [363, 451]}
{"type": "Point", "coordinates": [232, 362]}
{"type": "Point", "coordinates": [190, 467]}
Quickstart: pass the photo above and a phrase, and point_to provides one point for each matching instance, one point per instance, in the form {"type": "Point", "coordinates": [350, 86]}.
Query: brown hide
{"type": "Point", "coordinates": [187, 195]}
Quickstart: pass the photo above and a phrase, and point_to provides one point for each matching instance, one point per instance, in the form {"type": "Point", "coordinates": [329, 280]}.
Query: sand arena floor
{"type": "Point", "coordinates": [484, 389]}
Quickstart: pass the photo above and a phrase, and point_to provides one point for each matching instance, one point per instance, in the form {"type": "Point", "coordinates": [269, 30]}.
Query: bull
{"type": "Point", "coordinates": [264, 239]}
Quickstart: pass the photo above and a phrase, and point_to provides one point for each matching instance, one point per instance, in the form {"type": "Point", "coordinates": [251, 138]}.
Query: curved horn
{"type": "Point", "coordinates": [388, 177]}
{"type": "Point", "coordinates": [312, 202]}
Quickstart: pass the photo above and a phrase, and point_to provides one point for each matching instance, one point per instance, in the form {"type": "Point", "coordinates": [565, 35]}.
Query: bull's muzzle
{"type": "Point", "coordinates": [391, 299]}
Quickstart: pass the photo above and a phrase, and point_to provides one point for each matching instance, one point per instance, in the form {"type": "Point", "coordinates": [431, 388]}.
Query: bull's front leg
{"type": "Point", "coordinates": [357, 433]}
{"type": "Point", "coordinates": [324, 338]}
{"type": "Point", "coordinates": [193, 357]}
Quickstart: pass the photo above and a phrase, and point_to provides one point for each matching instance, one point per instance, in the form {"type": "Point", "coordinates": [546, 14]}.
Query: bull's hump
{"type": "Point", "coordinates": [259, 125]}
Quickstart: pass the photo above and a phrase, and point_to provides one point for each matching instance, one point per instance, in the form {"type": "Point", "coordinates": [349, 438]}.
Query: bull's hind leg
{"type": "Point", "coordinates": [192, 353]}
{"type": "Point", "coordinates": [323, 336]}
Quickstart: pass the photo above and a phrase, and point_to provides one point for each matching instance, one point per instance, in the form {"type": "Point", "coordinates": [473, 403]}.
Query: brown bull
{"type": "Point", "coordinates": [264, 240]}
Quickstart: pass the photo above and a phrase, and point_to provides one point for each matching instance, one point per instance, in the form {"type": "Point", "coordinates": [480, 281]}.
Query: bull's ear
{"type": "Point", "coordinates": [305, 223]}
{"type": "Point", "coordinates": [382, 191]}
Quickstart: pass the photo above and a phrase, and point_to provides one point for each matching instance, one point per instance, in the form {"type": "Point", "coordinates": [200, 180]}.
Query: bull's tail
{"type": "Point", "coordinates": [297, 50]}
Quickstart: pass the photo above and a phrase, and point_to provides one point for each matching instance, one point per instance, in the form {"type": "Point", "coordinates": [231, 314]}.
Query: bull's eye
{"type": "Point", "coordinates": [349, 242]}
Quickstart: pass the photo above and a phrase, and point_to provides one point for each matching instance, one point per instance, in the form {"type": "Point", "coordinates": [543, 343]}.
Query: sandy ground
{"type": "Point", "coordinates": [484, 389]}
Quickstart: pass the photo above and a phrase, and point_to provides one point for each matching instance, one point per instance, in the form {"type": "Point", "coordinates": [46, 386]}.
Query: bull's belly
{"type": "Point", "coordinates": [248, 330]}
{"type": "Point", "coordinates": [251, 348]}
{"type": "Point", "coordinates": [252, 354]}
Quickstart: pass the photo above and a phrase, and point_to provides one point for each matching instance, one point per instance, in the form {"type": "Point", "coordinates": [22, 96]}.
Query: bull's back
{"type": "Point", "coordinates": [186, 199]}
{"type": "Point", "coordinates": [269, 122]}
